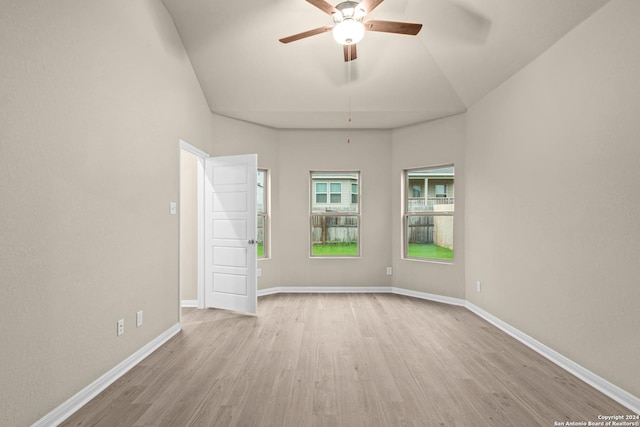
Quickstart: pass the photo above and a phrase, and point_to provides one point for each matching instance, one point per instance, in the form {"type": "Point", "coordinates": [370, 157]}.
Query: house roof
{"type": "Point", "coordinates": [326, 176]}
{"type": "Point", "coordinates": [465, 49]}
{"type": "Point", "coordinates": [447, 172]}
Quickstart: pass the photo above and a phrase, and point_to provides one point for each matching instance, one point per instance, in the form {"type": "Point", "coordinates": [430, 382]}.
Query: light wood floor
{"type": "Point", "coordinates": [344, 360]}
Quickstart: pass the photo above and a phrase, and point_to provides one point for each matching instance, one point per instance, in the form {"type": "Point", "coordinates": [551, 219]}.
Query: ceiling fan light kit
{"type": "Point", "coordinates": [348, 10]}
{"type": "Point", "coordinates": [348, 18]}
{"type": "Point", "coordinates": [349, 31]}
{"type": "Point", "coordinates": [349, 26]}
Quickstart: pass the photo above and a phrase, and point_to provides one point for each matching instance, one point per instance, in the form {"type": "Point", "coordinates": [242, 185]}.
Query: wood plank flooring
{"type": "Point", "coordinates": [344, 360]}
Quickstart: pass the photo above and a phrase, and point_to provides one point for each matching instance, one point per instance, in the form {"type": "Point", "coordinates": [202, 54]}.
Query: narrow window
{"type": "Point", "coordinates": [336, 192]}
{"type": "Point", "coordinates": [263, 213]}
{"type": "Point", "coordinates": [428, 213]}
{"type": "Point", "coordinates": [334, 226]}
{"type": "Point", "coordinates": [321, 192]}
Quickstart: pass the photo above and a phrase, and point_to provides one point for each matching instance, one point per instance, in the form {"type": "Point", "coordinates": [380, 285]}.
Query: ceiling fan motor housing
{"type": "Point", "coordinates": [348, 19]}
{"type": "Point", "coordinates": [349, 10]}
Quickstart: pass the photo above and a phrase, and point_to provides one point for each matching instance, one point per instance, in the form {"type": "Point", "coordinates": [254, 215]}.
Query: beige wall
{"type": "Point", "coordinates": [304, 151]}
{"type": "Point", "coordinates": [440, 142]}
{"type": "Point", "coordinates": [188, 226]}
{"type": "Point", "coordinates": [290, 156]}
{"type": "Point", "coordinates": [93, 98]}
{"type": "Point", "coordinates": [553, 169]}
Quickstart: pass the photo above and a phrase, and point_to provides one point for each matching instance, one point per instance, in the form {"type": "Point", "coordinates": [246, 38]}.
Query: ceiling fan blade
{"type": "Point", "coordinates": [407, 28]}
{"type": "Point", "coordinates": [306, 34]}
{"type": "Point", "coordinates": [349, 52]}
{"type": "Point", "coordinates": [369, 5]}
{"type": "Point", "coordinates": [327, 8]}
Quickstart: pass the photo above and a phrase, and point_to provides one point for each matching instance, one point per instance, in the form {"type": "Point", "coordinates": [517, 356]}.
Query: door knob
{"type": "Point", "coordinates": [252, 242]}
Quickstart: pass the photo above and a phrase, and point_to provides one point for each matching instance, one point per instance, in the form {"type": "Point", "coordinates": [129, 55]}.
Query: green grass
{"type": "Point", "coordinates": [416, 250]}
{"type": "Point", "coordinates": [335, 249]}
{"type": "Point", "coordinates": [429, 250]}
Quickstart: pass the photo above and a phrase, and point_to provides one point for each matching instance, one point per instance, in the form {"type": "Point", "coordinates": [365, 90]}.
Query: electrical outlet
{"type": "Point", "coordinates": [120, 327]}
{"type": "Point", "coordinates": [138, 319]}
{"type": "Point", "coordinates": [478, 287]}
{"type": "Point", "coordinates": [389, 271]}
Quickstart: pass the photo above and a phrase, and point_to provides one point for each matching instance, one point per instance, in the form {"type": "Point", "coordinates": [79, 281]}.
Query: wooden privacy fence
{"type": "Point", "coordinates": [420, 229]}
{"type": "Point", "coordinates": [431, 229]}
{"type": "Point", "coordinates": [334, 229]}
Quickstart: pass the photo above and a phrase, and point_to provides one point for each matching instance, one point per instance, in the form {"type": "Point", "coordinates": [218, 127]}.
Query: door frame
{"type": "Point", "coordinates": [201, 155]}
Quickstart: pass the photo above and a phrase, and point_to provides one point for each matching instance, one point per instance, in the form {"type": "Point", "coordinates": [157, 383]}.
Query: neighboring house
{"type": "Point", "coordinates": [430, 191]}
{"type": "Point", "coordinates": [334, 192]}
{"type": "Point", "coordinates": [429, 188]}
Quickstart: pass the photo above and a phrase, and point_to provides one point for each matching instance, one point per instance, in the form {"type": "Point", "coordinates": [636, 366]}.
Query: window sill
{"type": "Point", "coordinates": [429, 260]}
{"type": "Point", "coordinates": [335, 257]}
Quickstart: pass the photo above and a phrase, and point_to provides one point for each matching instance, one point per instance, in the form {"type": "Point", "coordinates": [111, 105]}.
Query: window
{"type": "Point", "coordinates": [334, 226]}
{"type": "Point", "coordinates": [321, 192]}
{"type": "Point", "coordinates": [428, 213]}
{"type": "Point", "coordinates": [336, 192]}
{"type": "Point", "coordinates": [263, 213]}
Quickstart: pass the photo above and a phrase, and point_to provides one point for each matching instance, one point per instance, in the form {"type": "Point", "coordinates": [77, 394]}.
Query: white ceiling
{"type": "Point", "coordinates": [465, 49]}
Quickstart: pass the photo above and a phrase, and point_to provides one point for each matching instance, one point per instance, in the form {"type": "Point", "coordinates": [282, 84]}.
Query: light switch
{"type": "Point", "coordinates": [173, 208]}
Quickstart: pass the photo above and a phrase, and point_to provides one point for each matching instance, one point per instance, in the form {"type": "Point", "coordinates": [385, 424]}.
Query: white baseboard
{"type": "Point", "coordinates": [613, 391]}
{"type": "Point", "coordinates": [323, 290]}
{"type": "Point", "coordinates": [430, 297]}
{"type": "Point", "coordinates": [189, 303]}
{"type": "Point", "coordinates": [68, 408]}
{"type": "Point", "coordinates": [269, 291]}
{"type": "Point", "coordinates": [358, 289]}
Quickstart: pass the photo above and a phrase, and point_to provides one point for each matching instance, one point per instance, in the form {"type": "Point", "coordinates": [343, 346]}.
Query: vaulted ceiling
{"type": "Point", "coordinates": [465, 49]}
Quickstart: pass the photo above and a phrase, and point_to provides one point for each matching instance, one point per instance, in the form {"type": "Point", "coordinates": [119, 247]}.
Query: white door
{"type": "Point", "coordinates": [230, 233]}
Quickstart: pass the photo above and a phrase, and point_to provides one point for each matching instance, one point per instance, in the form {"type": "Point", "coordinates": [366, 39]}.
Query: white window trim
{"type": "Point", "coordinates": [357, 214]}
{"type": "Point", "coordinates": [406, 214]}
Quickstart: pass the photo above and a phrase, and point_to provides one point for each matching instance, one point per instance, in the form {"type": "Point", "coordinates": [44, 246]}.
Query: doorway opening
{"type": "Point", "coordinates": [191, 225]}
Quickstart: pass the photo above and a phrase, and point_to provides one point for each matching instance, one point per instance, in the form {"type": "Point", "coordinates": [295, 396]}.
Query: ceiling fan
{"type": "Point", "coordinates": [349, 25]}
